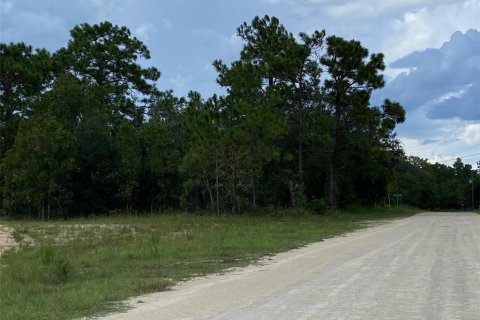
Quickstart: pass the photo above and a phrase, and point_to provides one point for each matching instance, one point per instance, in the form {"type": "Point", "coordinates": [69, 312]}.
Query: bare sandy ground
{"type": "Point", "coordinates": [6, 239]}
{"type": "Point", "coordinates": [423, 267]}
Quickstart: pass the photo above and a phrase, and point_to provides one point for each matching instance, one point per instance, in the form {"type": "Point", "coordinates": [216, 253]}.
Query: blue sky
{"type": "Point", "coordinates": [439, 87]}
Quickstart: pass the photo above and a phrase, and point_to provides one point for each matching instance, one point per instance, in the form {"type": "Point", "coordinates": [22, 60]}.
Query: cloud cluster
{"type": "Point", "coordinates": [395, 28]}
{"type": "Point", "coordinates": [471, 135]}
{"type": "Point", "coordinates": [445, 82]}
{"type": "Point", "coordinates": [441, 92]}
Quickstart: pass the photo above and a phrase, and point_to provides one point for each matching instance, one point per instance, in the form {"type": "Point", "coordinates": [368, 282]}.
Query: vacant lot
{"type": "Point", "coordinates": [74, 268]}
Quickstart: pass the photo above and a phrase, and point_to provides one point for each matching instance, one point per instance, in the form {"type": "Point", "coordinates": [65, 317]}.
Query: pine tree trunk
{"type": "Point", "coordinates": [234, 199]}
{"type": "Point", "coordinates": [254, 197]}
{"type": "Point", "coordinates": [210, 195]}
{"type": "Point", "coordinates": [300, 160]}
{"type": "Point", "coordinates": [332, 186]}
{"type": "Point", "coordinates": [216, 187]}
{"type": "Point", "coordinates": [293, 195]}
{"type": "Point", "coordinates": [300, 136]}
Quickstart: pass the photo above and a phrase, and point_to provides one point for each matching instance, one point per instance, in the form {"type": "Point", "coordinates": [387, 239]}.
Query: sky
{"type": "Point", "coordinates": [431, 47]}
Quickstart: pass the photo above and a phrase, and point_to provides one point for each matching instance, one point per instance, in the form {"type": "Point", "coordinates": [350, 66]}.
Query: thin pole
{"type": "Point", "coordinates": [473, 199]}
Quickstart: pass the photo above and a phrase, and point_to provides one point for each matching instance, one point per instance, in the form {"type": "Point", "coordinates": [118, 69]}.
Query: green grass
{"type": "Point", "coordinates": [83, 267]}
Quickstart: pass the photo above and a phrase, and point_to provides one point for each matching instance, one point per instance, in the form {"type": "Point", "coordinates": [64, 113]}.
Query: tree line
{"type": "Point", "coordinates": [85, 130]}
{"type": "Point", "coordinates": [435, 185]}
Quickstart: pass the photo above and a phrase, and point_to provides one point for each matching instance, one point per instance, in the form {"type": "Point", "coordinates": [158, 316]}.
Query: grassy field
{"type": "Point", "coordinates": [82, 267]}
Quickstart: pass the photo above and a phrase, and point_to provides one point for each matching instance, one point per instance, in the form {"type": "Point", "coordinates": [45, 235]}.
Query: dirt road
{"type": "Point", "coordinates": [423, 267]}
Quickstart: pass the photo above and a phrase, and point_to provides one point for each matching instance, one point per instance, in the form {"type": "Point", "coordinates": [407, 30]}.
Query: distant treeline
{"type": "Point", "coordinates": [85, 130]}
{"type": "Point", "coordinates": [437, 186]}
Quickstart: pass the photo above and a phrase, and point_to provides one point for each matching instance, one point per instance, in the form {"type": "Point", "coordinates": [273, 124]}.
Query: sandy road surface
{"type": "Point", "coordinates": [423, 267]}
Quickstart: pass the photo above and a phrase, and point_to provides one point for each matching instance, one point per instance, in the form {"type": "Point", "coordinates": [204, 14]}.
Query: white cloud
{"type": "Point", "coordinates": [143, 31]}
{"type": "Point", "coordinates": [471, 134]}
{"type": "Point", "coordinates": [429, 26]}
{"type": "Point", "coordinates": [367, 8]}
{"type": "Point", "coordinates": [395, 28]}
{"type": "Point", "coordinates": [440, 139]}
{"type": "Point", "coordinates": [458, 139]}
{"type": "Point", "coordinates": [448, 96]}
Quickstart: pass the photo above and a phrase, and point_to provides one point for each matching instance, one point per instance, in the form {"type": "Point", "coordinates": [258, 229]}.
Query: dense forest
{"type": "Point", "coordinates": [84, 130]}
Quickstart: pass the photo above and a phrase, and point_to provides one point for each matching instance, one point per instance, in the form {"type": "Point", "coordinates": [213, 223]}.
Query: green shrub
{"type": "Point", "coordinates": [317, 205]}
{"type": "Point", "coordinates": [54, 267]}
